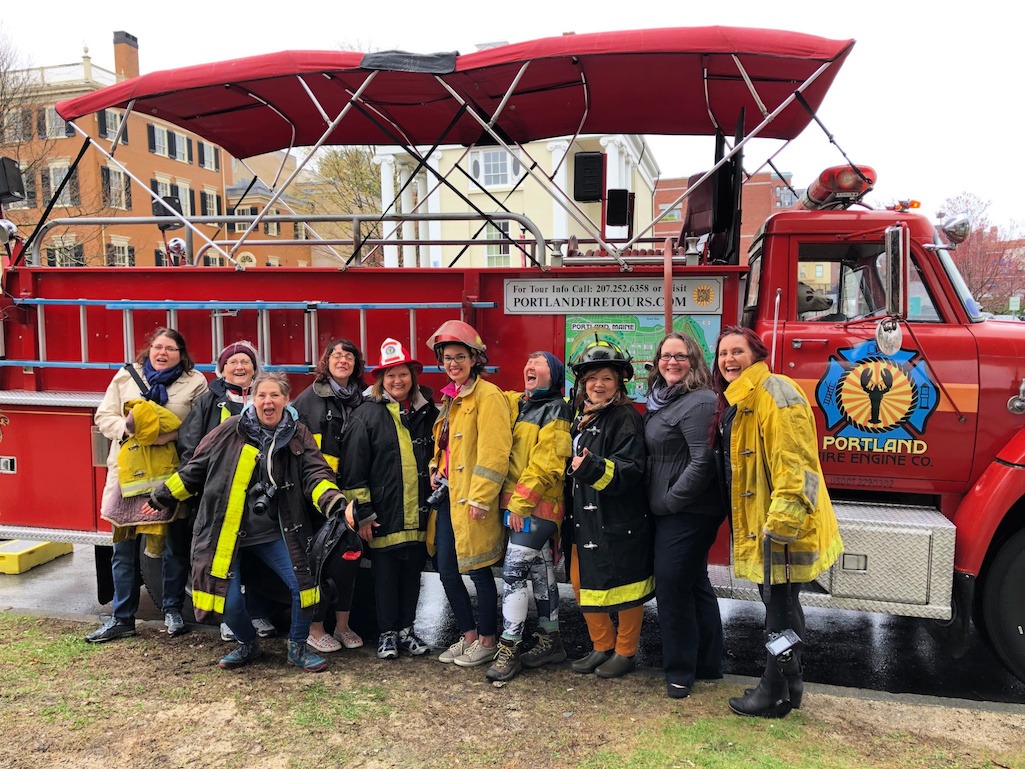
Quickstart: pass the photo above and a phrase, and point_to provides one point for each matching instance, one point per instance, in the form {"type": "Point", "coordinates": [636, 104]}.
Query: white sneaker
{"type": "Point", "coordinates": [264, 627]}
{"type": "Point", "coordinates": [455, 650]}
{"type": "Point", "coordinates": [226, 634]}
{"type": "Point", "coordinates": [476, 654]}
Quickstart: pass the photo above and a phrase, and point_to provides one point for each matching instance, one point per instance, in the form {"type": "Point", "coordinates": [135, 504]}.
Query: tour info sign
{"type": "Point", "coordinates": [575, 296]}
{"type": "Point", "coordinates": [626, 311]}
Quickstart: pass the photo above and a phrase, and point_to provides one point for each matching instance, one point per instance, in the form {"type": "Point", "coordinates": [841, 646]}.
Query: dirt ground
{"type": "Point", "coordinates": [157, 702]}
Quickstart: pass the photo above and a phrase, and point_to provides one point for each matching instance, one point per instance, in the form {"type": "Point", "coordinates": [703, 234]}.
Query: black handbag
{"type": "Point", "coordinates": [334, 538]}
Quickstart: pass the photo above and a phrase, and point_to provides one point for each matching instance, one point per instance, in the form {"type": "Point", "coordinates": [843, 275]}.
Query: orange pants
{"type": "Point", "coordinates": [600, 627]}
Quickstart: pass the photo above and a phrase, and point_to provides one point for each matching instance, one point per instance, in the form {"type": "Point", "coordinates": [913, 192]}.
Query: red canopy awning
{"type": "Point", "coordinates": [661, 81]}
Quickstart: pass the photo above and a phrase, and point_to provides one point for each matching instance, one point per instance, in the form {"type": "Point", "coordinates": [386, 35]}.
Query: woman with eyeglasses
{"type": "Point", "coordinates": [688, 510]}
{"type": "Point", "coordinates": [325, 408]}
{"type": "Point", "coordinates": [138, 414]}
{"type": "Point", "coordinates": [472, 444]}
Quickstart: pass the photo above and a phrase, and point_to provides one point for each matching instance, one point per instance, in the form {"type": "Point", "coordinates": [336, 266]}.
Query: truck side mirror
{"type": "Point", "coordinates": [889, 336]}
{"type": "Point", "coordinates": [897, 255]}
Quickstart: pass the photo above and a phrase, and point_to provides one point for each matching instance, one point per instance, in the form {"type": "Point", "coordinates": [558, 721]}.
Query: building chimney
{"type": "Point", "coordinates": [126, 55]}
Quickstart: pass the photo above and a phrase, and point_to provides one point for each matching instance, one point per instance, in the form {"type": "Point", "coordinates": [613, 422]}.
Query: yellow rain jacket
{"type": "Point", "coordinates": [142, 466]}
{"type": "Point", "coordinates": [777, 480]}
{"type": "Point", "coordinates": [536, 482]}
{"type": "Point", "coordinates": [476, 463]}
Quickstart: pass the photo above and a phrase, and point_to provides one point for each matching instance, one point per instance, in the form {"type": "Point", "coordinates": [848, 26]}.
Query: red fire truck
{"type": "Point", "coordinates": [920, 400]}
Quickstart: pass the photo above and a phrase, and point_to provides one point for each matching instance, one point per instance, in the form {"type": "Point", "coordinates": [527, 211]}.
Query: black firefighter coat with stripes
{"type": "Point", "coordinates": [222, 470]}
{"type": "Point", "coordinates": [608, 518]}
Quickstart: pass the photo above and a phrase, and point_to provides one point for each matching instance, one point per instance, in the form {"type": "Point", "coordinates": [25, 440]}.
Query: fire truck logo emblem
{"type": "Point", "coordinates": [703, 295]}
{"type": "Point", "coordinates": [866, 393]}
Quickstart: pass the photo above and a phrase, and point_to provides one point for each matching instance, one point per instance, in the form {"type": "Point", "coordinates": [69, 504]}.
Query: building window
{"type": "Point", "coordinates": [273, 261]}
{"type": "Point", "coordinates": [495, 168]}
{"type": "Point", "coordinates": [783, 197]}
{"type": "Point", "coordinates": [243, 211]}
{"type": "Point", "coordinates": [185, 198]}
{"type": "Point", "coordinates": [52, 178]}
{"type": "Point", "coordinates": [116, 188]}
{"type": "Point", "coordinates": [819, 271]}
{"type": "Point", "coordinates": [271, 228]}
{"type": "Point", "coordinates": [209, 156]}
{"type": "Point", "coordinates": [159, 140]}
{"type": "Point", "coordinates": [674, 214]}
{"type": "Point", "coordinates": [108, 122]}
{"type": "Point", "coordinates": [181, 146]}
{"type": "Point", "coordinates": [16, 126]}
{"type": "Point", "coordinates": [119, 253]}
{"type": "Point", "coordinates": [211, 203]}
{"type": "Point", "coordinates": [498, 252]}
{"type": "Point", "coordinates": [52, 125]}
{"type": "Point", "coordinates": [64, 252]}
{"type": "Point", "coordinates": [246, 259]}
{"type": "Point", "coordinates": [299, 231]}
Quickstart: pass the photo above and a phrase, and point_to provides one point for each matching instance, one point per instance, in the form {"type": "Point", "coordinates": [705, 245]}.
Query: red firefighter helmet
{"type": "Point", "coordinates": [456, 332]}
{"type": "Point", "coordinates": [394, 354]}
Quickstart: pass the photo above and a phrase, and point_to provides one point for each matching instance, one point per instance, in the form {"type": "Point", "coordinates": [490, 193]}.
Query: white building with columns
{"type": "Point", "coordinates": [492, 181]}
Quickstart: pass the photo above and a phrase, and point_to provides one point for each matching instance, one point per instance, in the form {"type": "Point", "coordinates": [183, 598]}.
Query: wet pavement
{"type": "Point", "coordinates": [846, 649]}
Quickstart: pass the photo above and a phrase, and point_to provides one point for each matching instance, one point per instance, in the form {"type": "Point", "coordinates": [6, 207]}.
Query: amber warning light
{"type": "Point", "coordinates": [839, 187]}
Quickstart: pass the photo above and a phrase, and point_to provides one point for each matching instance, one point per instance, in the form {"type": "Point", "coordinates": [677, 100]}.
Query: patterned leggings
{"type": "Point", "coordinates": [529, 556]}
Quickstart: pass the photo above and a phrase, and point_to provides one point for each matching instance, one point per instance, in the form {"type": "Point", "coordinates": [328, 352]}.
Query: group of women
{"type": "Point", "coordinates": [523, 478]}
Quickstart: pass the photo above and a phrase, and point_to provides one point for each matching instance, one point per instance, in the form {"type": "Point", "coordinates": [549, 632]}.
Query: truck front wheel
{"type": "Point", "coordinates": [1003, 604]}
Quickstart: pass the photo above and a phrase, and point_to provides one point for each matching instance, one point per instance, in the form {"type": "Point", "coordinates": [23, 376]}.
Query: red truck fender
{"type": "Point", "coordinates": [981, 511]}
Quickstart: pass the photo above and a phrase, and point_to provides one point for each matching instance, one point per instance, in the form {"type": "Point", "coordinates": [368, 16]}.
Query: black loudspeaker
{"type": "Point", "coordinates": [12, 186]}
{"type": "Point", "coordinates": [160, 209]}
{"type": "Point", "coordinates": [588, 173]}
{"type": "Point", "coordinates": [619, 208]}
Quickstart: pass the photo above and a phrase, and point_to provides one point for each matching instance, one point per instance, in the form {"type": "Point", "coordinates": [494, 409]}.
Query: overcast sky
{"type": "Point", "coordinates": [929, 97]}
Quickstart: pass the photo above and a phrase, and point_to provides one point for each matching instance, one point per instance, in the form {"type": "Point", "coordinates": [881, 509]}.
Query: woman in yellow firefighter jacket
{"type": "Point", "coordinates": [766, 444]}
{"type": "Point", "coordinates": [533, 505]}
{"type": "Point", "coordinates": [384, 470]}
{"type": "Point", "coordinates": [472, 441]}
{"type": "Point", "coordinates": [254, 473]}
{"type": "Point", "coordinates": [608, 526]}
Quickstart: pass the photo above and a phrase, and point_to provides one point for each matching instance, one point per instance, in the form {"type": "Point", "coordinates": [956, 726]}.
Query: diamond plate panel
{"type": "Point", "coordinates": [51, 398]}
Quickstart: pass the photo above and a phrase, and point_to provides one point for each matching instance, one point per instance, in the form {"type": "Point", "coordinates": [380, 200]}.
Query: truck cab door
{"type": "Point", "coordinates": [887, 422]}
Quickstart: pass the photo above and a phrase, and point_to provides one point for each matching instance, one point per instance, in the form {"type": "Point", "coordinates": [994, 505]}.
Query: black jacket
{"type": "Point", "coordinates": [327, 416]}
{"type": "Point", "coordinates": [682, 475]}
{"type": "Point", "coordinates": [210, 409]}
{"type": "Point", "coordinates": [608, 518]}
{"type": "Point", "coordinates": [384, 468]}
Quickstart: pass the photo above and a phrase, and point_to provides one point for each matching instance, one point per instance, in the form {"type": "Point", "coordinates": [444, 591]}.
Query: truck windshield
{"type": "Point", "coordinates": [960, 287]}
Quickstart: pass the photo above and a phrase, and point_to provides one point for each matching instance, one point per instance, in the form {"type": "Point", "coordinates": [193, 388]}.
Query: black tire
{"type": "Point", "coordinates": [1003, 604]}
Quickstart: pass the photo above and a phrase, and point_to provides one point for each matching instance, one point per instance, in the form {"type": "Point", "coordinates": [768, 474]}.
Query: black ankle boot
{"type": "Point", "coordinates": [767, 700]}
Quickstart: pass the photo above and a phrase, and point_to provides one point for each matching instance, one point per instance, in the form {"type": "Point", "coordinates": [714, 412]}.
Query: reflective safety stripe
{"type": "Point", "coordinates": [177, 488]}
{"type": "Point", "coordinates": [331, 459]}
{"type": "Point", "coordinates": [228, 535]}
{"type": "Point", "coordinates": [606, 479]}
{"type": "Point", "coordinates": [309, 597]}
{"type": "Point", "coordinates": [360, 495]}
{"type": "Point", "coordinates": [318, 492]}
{"type": "Point", "coordinates": [208, 601]}
{"type": "Point", "coordinates": [225, 414]}
{"type": "Point", "coordinates": [621, 596]}
{"type": "Point", "coordinates": [410, 482]}
{"type": "Point", "coordinates": [397, 538]}
{"type": "Point", "coordinates": [488, 474]}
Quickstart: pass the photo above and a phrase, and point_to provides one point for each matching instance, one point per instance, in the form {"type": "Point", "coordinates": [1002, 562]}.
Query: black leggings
{"type": "Point", "coordinates": [342, 573]}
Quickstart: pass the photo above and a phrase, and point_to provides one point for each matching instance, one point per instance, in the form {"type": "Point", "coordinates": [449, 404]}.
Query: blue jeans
{"type": "Point", "coordinates": [236, 615]}
{"type": "Point", "coordinates": [176, 563]}
{"type": "Point", "coordinates": [124, 567]}
{"type": "Point", "coordinates": [447, 564]}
